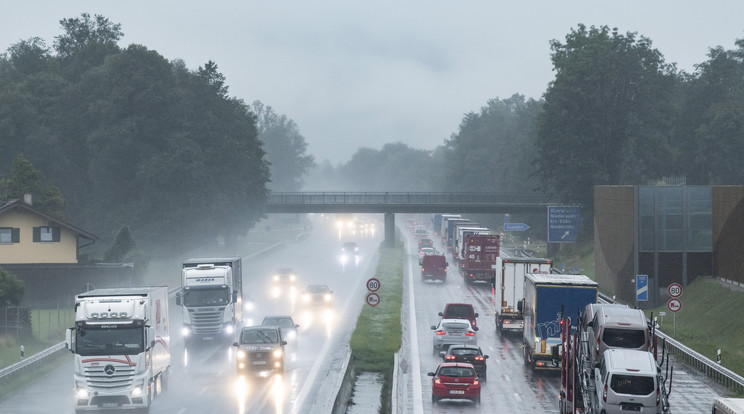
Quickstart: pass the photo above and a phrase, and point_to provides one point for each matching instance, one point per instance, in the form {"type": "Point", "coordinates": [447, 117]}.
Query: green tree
{"type": "Point", "coordinates": [711, 122]}
{"type": "Point", "coordinates": [494, 150]}
{"type": "Point", "coordinates": [84, 31]}
{"type": "Point", "coordinates": [607, 114]}
{"type": "Point", "coordinates": [123, 245]}
{"type": "Point", "coordinates": [29, 56]}
{"type": "Point", "coordinates": [26, 179]}
{"type": "Point", "coordinates": [12, 289]}
{"type": "Point", "coordinates": [286, 149]}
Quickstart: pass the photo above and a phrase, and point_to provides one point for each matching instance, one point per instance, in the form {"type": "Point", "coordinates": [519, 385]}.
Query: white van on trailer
{"type": "Point", "coordinates": [728, 406]}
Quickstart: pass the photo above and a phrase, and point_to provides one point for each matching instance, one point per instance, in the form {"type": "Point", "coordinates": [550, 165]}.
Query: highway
{"type": "Point", "coordinates": [512, 386]}
{"type": "Point", "coordinates": [203, 378]}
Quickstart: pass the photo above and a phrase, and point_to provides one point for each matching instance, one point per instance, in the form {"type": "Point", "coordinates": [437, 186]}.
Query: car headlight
{"type": "Point", "coordinates": [292, 278]}
{"type": "Point", "coordinates": [327, 297]}
{"type": "Point", "coordinates": [248, 306]}
{"type": "Point", "coordinates": [277, 353]}
{"type": "Point", "coordinates": [306, 298]}
{"type": "Point", "coordinates": [276, 278]}
{"type": "Point", "coordinates": [82, 393]}
{"type": "Point", "coordinates": [241, 354]}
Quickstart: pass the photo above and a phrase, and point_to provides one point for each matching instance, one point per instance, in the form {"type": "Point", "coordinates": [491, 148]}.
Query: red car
{"type": "Point", "coordinates": [455, 380]}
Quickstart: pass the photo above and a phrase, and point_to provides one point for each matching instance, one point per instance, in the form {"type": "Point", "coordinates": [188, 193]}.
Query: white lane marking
{"type": "Point", "coordinates": [517, 397]}
{"type": "Point", "coordinates": [507, 377]}
{"type": "Point", "coordinates": [310, 379]}
{"type": "Point", "coordinates": [418, 403]}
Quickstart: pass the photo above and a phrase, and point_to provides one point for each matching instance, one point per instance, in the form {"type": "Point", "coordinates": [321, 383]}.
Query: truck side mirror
{"type": "Point", "coordinates": [70, 339]}
{"type": "Point", "coordinates": [520, 306]}
{"type": "Point", "coordinates": [235, 296]}
{"type": "Point", "coordinates": [554, 351]}
{"type": "Point", "coordinates": [150, 336]}
{"type": "Point", "coordinates": [178, 298]}
{"type": "Point", "coordinates": [235, 344]}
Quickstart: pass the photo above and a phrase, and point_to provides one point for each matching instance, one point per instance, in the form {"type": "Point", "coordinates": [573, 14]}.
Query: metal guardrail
{"type": "Point", "coordinates": [34, 361]}
{"type": "Point", "coordinates": [713, 370]}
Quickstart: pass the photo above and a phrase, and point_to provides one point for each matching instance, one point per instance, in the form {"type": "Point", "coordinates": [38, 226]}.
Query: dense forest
{"type": "Point", "coordinates": [121, 139]}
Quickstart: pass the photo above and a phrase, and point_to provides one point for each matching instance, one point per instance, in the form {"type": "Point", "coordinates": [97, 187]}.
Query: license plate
{"type": "Point", "coordinates": [110, 405]}
{"type": "Point", "coordinates": [456, 334]}
{"type": "Point", "coordinates": [259, 362]}
{"type": "Point", "coordinates": [459, 392]}
{"type": "Point", "coordinates": [636, 408]}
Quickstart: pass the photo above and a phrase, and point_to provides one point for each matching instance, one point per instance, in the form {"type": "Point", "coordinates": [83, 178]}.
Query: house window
{"type": "Point", "coordinates": [9, 235]}
{"type": "Point", "coordinates": [46, 234]}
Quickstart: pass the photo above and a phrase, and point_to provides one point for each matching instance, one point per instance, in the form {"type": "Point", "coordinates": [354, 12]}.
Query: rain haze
{"type": "Point", "coordinates": [354, 74]}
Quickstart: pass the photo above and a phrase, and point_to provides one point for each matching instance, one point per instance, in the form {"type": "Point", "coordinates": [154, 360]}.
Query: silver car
{"type": "Point", "coordinates": [453, 332]}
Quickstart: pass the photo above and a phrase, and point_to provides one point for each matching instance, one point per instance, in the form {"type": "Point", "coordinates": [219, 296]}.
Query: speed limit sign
{"type": "Point", "coordinates": [373, 285]}
{"type": "Point", "coordinates": [675, 290]}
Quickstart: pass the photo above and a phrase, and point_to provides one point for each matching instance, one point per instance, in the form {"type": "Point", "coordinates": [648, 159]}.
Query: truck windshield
{"type": "Point", "coordinates": [206, 297]}
{"type": "Point", "coordinates": [110, 339]}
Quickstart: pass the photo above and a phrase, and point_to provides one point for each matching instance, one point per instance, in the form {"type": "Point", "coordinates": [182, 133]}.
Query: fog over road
{"type": "Point", "coordinates": [203, 377]}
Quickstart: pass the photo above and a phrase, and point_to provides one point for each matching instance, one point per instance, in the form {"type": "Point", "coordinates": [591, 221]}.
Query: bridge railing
{"type": "Point", "coordinates": [403, 198]}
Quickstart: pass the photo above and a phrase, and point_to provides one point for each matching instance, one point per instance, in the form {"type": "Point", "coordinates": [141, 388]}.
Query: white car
{"type": "Point", "coordinates": [425, 251]}
{"type": "Point", "coordinates": [453, 332]}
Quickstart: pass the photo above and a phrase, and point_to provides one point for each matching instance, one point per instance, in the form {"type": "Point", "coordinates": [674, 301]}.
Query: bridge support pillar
{"type": "Point", "coordinates": [389, 230]}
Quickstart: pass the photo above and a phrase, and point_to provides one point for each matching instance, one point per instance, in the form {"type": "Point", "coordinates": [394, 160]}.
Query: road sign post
{"type": "Point", "coordinates": [675, 305]}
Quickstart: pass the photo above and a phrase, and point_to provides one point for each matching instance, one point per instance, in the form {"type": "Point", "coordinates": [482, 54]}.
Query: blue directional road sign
{"type": "Point", "coordinates": [642, 288]}
{"type": "Point", "coordinates": [515, 227]}
{"type": "Point", "coordinates": [563, 223]}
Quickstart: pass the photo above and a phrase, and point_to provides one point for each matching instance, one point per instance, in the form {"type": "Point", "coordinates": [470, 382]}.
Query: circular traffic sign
{"type": "Point", "coordinates": [373, 285]}
{"type": "Point", "coordinates": [373, 299]}
{"type": "Point", "coordinates": [674, 304]}
{"type": "Point", "coordinates": [675, 290]}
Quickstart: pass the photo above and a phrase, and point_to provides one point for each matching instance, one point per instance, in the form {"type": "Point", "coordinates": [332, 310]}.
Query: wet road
{"type": "Point", "coordinates": [203, 377]}
{"type": "Point", "coordinates": [512, 387]}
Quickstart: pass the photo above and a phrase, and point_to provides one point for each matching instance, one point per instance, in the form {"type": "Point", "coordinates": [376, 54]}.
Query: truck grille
{"type": "Point", "coordinates": [98, 380]}
{"type": "Point", "coordinates": [206, 322]}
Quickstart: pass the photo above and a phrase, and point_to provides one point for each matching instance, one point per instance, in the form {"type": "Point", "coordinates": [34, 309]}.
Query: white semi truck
{"type": "Point", "coordinates": [211, 298]}
{"type": "Point", "coordinates": [508, 288]}
{"type": "Point", "coordinates": [121, 344]}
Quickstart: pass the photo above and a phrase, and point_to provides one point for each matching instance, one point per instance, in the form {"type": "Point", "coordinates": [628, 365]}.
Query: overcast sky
{"type": "Point", "coordinates": [366, 73]}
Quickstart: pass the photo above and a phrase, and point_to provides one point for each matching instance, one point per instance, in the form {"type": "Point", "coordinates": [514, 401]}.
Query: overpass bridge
{"type": "Point", "coordinates": [389, 203]}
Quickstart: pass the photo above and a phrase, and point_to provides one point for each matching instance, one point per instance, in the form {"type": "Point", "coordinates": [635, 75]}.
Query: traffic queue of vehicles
{"type": "Point", "coordinates": [608, 361]}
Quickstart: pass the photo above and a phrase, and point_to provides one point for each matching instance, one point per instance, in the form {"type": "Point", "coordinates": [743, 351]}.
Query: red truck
{"type": "Point", "coordinates": [481, 251]}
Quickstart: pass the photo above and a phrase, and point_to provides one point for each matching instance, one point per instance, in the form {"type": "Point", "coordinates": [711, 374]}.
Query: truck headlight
{"type": "Point", "coordinates": [136, 392]}
{"type": "Point", "coordinates": [82, 394]}
{"type": "Point", "coordinates": [327, 297]}
{"type": "Point", "coordinates": [241, 354]}
{"type": "Point", "coordinates": [229, 329]}
{"type": "Point", "coordinates": [277, 353]}
{"type": "Point", "coordinates": [185, 331]}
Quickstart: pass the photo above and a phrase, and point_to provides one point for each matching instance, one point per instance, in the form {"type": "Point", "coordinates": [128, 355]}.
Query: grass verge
{"type": "Point", "coordinates": [709, 320]}
{"type": "Point", "coordinates": [9, 386]}
{"type": "Point", "coordinates": [377, 336]}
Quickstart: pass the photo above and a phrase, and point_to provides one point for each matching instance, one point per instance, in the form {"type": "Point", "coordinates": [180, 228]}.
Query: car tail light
{"type": "Point", "coordinates": [441, 332]}
{"type": "Point", "coordinates": [449, 357]}
{"type": "Point", "coordinates": [469, 333]}
{"type": "Point", "coordinates": [422, 269]}
{"type": "Point", "coordinates": [604, 394]}
{"type": "Point", "coordinates": [479, 358]}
